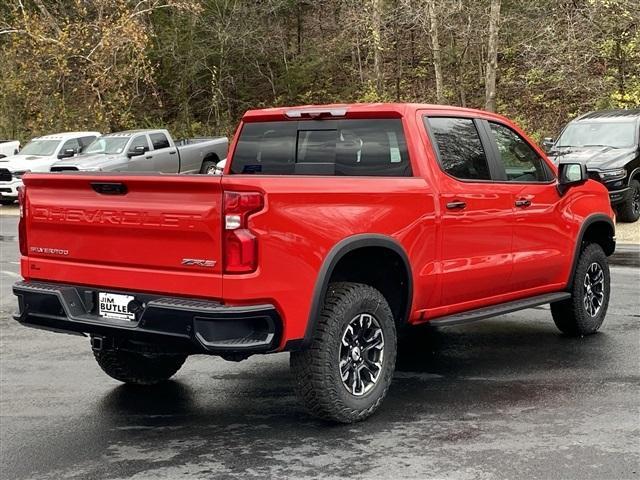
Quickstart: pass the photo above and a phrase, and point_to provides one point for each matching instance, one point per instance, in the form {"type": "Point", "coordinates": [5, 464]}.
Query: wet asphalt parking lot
{"type": "Point", "coordinates": [503, 398]}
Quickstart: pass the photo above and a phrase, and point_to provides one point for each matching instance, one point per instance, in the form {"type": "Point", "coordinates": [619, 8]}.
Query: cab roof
{"type": "Point", "coordinates": [357, 110]}
{"type": "Point", "coordinates": [607, 115]}
{"type": "Point", "coordinates": [66, 135]}
{"type": "Point", "coordinates": [130, 133]}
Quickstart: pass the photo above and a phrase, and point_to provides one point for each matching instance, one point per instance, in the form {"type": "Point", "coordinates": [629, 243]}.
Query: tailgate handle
{"type": "Point", "coordinates": [109, 188]}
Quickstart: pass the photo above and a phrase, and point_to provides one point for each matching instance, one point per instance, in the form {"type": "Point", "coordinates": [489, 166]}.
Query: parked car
{"type": "Point", "coordinates": [9, 148]}
{"type": "Point", "coordinates": [148, 151]}
{"type": "Point", "coordinates": [332, 229]}
{"type": "Point", "coordinates": [608, 143]}
{"type": "Point", "coordinates": [37, 156]}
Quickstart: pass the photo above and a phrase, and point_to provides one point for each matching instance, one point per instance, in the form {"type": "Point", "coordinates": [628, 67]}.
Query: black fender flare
{"type": "Point", "coordinates": [633, 174]}
{"type": "Point", "coordinates": [331, 260]}
{"type": "Point", "coordinates": [590, 220]}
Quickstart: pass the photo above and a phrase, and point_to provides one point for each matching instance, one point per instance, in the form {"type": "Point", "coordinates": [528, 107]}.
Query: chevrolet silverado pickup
{"type": "Point", "coordinates": [148, 151]}
{"type": "Point", "coordinates": [333, 229]}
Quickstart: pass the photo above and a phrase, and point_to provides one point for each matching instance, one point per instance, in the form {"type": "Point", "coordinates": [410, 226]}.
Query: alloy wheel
{"type": "Point", "coordinates": [593, 292]}
{"type": "Point", "coordinates": [361, 354]}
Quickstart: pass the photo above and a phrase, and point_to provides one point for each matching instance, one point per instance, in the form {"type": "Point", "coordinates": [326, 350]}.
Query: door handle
{"type": "Point", "coordinates": [523, 202]}
{"type": "Point", "coordinates": [109, 188]}
{"type": "Point", "coordinates": [456, 205]}
{"type": "Point", "coordinates": [149, 156]}
{"type": "Point", "coordinates": [172, 153]}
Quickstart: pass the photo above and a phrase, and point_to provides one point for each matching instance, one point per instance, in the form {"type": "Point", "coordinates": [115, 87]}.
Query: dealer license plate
{"type": "Point", "coordinates": [113, 305]}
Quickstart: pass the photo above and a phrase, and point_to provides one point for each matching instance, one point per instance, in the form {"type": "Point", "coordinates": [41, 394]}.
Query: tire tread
{"type": "Point", "coordinates": [625, 210]}
{"type": "Point", "coordinates": [129, 367]}
{"type": "Point", "coordinates": [310, 367]}
{"type": "Point", "coordinates": [569, 315]}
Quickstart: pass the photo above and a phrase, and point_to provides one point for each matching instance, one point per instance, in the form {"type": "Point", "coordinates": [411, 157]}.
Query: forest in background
{"type": "Point", "coordinates": [195, 66]}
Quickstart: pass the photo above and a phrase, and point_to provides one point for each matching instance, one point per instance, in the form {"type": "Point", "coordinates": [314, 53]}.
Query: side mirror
{"type": "Point", "coordinates": [547, 143]}
{"type": "Point", "coordinates": [137, 150]}
{"type": "Point", "coordinates": [570, 174]}
{"type": "Point", "coordinates": [66, 153]}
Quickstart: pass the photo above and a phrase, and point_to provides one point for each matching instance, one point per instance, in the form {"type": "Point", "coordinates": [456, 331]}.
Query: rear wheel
{"type": "Point", "coordinates": [208, 167]}
{"type": "Point", "coordinates": [138, 368]}
{"type": "Point", "coordinates": [629, 211]}
{"type": "Point", "coordinates": [345, 373]}
{"type": "Point", "coordinates": [584, 312]}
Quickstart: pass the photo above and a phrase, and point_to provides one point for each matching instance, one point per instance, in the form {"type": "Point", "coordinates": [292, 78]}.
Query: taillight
{"type": "Point", "coordinates": [240, 245]}
{"type": "Point", "coordinates": [22, 223]}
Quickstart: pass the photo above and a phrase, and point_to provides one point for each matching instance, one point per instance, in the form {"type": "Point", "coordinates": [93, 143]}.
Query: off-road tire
{"type": "Point", "coordinates": [206, 165]}
{"type": "Point", "coordinates": [629, 211]}
{"type": "Point", "coordinates": [316, 373]}
{"type": "Point", "coordinates": [136, 368]}
{"type": "Point", "coordinates": [570, 315]}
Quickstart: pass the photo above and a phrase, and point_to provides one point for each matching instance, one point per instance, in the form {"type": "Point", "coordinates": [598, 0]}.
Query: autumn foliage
{"type": "Point", "coordinates": [197, 65]}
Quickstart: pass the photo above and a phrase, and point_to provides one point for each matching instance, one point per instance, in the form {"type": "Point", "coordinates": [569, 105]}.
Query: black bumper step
{"type": "Point", "coordinates": [191, 325]}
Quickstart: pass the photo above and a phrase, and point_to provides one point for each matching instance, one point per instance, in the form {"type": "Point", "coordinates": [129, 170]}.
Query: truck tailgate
{"type": "Point", "coordinates": [134, 232]}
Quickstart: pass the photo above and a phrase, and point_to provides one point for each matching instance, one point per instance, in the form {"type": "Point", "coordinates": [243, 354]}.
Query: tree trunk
{"type": "Point", "coordinates": [620, 65]}
{"type": "Point", "coordinates": [492, 57]}
{"type": "Point", "coordinates": [376, 30]}
{"type": "Point", "coordinates": [398, 55]}
{"type": "Point", "coordinates": [435, 48]}
{"type": "Point", "coordinates": [299, 29]}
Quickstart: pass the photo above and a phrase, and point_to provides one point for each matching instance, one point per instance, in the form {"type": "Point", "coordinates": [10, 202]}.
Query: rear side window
{"type": "Point", "coordinates": [327, 147]}
{"type": "Point", "coordinates": [159, 140]}
{"type": "Point", "coordinates": [460, 149]}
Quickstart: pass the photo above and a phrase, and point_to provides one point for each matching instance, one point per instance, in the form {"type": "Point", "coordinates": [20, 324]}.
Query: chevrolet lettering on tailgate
{"type": "Point", "coordinates": [115, 217]}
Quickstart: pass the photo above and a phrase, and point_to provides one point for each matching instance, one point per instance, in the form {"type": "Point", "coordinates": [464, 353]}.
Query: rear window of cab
{"type": "Point", "coordinates": [374, 147]}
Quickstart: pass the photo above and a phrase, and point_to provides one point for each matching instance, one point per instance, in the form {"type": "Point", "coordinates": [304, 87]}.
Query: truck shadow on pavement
{"type": "Point", "coordinates": [448, 382]}
{"type": "Point", "coordinates": [495, 362]}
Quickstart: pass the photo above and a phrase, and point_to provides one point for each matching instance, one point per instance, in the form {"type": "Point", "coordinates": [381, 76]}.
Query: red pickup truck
{"type": "Point", "coordinates": [333, 229]}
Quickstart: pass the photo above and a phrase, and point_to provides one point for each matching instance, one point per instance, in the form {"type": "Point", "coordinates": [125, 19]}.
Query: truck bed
{"type": "Point", "coordinates": [194, 151]}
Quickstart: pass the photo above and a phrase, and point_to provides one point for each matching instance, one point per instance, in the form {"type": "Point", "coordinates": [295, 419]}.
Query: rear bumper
{"type": "Point", "coordinates": [166, 323]}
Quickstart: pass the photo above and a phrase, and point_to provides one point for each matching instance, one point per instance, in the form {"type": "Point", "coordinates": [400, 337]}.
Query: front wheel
{"type": "Point", "coordinates": [584, 312]}
{"type": "Point", "coordinates": [629, 211]}
{"type": "Point", "coordinates": [345, 373]}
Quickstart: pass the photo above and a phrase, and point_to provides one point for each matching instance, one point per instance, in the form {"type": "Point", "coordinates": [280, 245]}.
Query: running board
{"type": "Point", "coordinates": [499, 309]}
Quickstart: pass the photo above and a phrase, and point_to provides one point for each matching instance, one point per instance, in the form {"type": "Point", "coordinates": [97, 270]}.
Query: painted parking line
{"type": "Point", "coordinates": [10, 274]}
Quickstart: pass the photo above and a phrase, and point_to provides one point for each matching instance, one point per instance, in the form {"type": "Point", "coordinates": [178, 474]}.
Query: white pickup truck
{"type": "Point", "coordinates": [148, 151]}
{"type": "Point", "coordinates": [9, 147]}
{"type": "Point", "coordinates": [38, 156]}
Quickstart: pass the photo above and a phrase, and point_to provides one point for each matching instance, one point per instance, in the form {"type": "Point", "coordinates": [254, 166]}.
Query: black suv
{"type": "Point", "coordinates": [608, 142]}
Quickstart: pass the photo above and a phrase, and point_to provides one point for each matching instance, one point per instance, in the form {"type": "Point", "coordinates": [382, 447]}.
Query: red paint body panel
{"type": "Point", "coordinates": [490, 252]}
{"type": "Point", "coordinates": [136, 241]}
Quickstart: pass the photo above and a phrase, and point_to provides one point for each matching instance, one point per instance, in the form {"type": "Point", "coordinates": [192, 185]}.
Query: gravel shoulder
{"type": "Point", "coordinates": [628, 232]}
